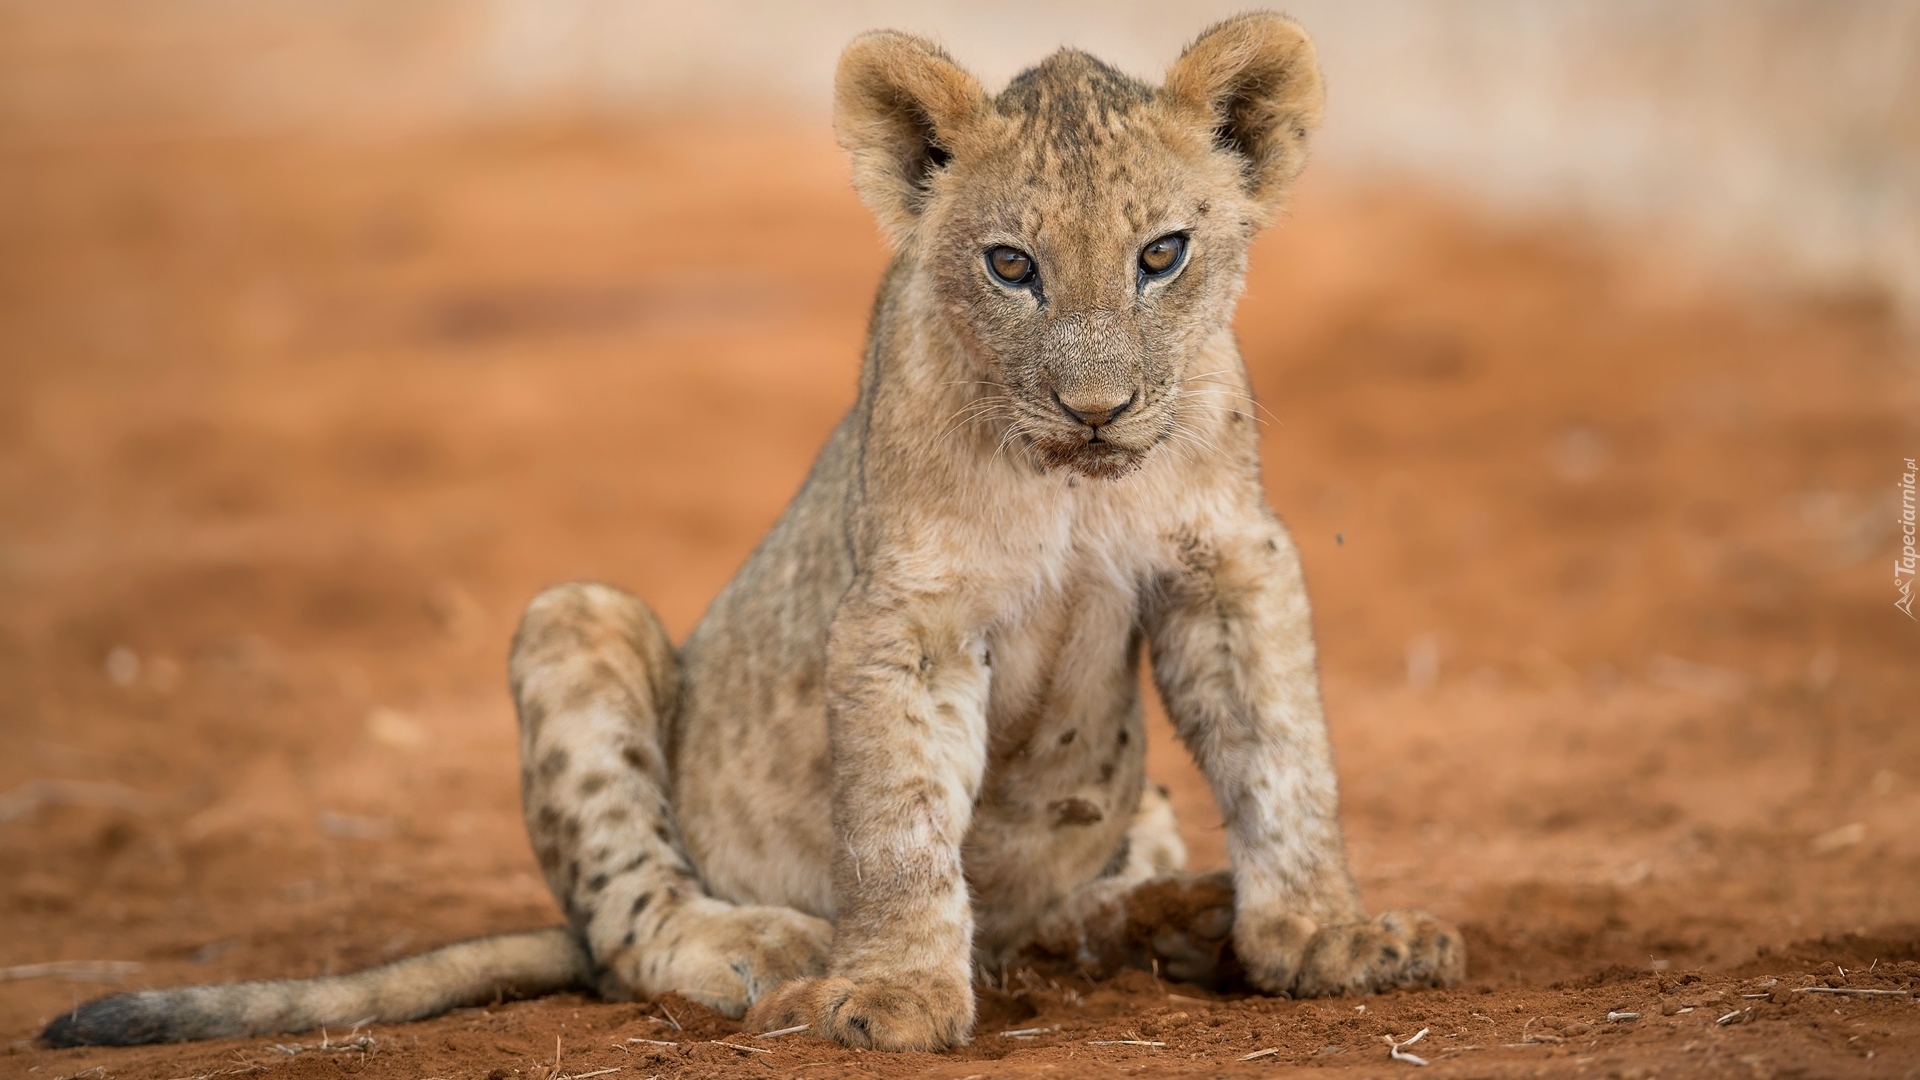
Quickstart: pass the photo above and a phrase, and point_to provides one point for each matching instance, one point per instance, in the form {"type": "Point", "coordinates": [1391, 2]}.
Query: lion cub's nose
{"type": "Point", "coordinates": [1093, 411]}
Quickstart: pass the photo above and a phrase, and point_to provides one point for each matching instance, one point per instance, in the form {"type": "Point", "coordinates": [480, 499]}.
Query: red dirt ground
{"type": "Point", "coordinates": [289, 430]}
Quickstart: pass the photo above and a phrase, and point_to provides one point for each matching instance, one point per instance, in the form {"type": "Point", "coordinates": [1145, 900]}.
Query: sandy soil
{"type": "Point", "coordinates": [289, 429]}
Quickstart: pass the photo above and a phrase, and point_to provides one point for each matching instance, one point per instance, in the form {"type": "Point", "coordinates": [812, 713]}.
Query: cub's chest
{"type": "Point", "coordinates": [1064, 654]}
{"type": "Point", "coordinates": [1061, 573]}
{"type": "Point", "coordinates": [1066, 739]}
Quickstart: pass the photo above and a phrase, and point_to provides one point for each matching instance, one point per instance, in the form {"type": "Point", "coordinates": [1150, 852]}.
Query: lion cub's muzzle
{"type": "Point", "coordinates": [1102, 433]}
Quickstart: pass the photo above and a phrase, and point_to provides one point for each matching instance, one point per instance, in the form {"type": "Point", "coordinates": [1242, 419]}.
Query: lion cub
{"type": "Point", "coordinates": [907, 739]}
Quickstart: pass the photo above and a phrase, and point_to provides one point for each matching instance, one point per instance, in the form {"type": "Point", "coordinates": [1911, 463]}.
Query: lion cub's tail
{"type": "Point", "coordinates": [469, 973]}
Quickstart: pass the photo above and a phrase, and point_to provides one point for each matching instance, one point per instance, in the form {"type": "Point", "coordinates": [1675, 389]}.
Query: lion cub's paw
{"type": "Point", "coordinates": [1187, 922]}
{"type": "Point", "coordinates": [727, 957]}
{"type": "Point", "coordinates": [1395, 949]}
{"type": "Point", "coordinates": [873, 1015]}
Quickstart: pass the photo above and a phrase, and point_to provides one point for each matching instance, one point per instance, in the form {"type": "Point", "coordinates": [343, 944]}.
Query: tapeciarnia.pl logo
{"type": "Point", "coordinates": [1903, 566]}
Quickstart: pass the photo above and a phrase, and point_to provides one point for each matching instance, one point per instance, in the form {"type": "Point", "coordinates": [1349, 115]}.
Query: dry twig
{"type": "Point", "coordinates": [77, 970]}
{"type": "Point", "coordinates": [783, 1031]}
{"type": "Point", "coordinates": [362, 1043]}
{"type": "Point", "coordinates": [1397, 1050]}
{"type": "Point", "coordinates": [1526, 1037]}
{"type": "Point", "coordinates": [245, 1067]}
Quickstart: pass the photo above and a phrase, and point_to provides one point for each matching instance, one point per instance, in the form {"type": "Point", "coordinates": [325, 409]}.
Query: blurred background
{"type": "Point", "coordinates": [330, 330]}
{"type": "Point", "coordinates": [1781, 132]}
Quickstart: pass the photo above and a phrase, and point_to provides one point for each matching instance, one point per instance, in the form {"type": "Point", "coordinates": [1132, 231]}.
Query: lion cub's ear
{"type": "Point", "coordinates": [1256, 80]}
{"type": "Point", "coordinates": [901, 108]}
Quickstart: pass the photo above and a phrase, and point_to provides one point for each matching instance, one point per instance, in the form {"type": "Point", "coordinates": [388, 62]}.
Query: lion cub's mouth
{"type": "Point", "coordinates": [1095, 456]}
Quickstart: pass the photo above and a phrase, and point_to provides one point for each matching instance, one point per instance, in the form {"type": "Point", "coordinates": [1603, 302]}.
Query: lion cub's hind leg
{"type": "Point", "coordinates": [1144, 912]}
{"type": "Point", "coordinates": [595, 680]}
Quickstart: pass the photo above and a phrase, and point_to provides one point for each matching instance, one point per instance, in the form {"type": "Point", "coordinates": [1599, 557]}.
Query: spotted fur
{"type": "Point", "coordinates": [906, 742]}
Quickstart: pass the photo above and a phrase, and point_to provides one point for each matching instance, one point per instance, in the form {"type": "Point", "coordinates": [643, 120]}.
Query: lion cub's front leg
{"type": "Point", "coordinates": [907, 714]}
{"type": "Point", "coordinates": [1234, 659]}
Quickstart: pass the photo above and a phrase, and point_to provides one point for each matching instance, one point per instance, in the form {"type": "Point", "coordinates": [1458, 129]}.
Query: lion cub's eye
{"type": "Point", "coordinates": [1162, 255]}
{"type": "Point", "coordinates": [1010, 265]}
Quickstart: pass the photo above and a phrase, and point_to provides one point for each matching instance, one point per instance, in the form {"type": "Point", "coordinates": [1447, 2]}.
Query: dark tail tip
{"type": "Point", "coordinates": [119, 1020]}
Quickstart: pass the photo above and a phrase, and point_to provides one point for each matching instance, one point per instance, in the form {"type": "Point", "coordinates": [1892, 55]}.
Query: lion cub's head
{"type": "Point", "coordinates": [1084, 234]}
